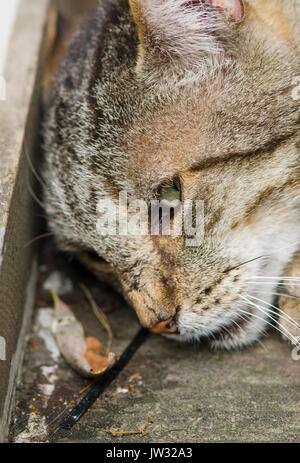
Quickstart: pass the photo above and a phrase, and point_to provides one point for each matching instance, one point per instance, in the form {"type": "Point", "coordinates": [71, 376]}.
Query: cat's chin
{"type": "Point", "coordinates": [241, 332]}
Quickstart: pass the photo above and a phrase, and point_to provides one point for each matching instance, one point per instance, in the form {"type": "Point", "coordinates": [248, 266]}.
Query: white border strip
{"type": "Point", "coordinates": [8, 11]}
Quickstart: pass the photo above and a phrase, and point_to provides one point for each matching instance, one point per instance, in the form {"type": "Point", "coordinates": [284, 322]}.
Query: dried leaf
{"type": "Point", "coordinates": [84, 355]}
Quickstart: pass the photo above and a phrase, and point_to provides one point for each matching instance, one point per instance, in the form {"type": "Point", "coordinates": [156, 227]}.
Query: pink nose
{"type": "Point", "coordinates": [165, 327]}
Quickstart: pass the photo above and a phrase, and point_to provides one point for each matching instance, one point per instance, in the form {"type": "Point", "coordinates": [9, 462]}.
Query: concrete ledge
{"type": "Point", "coordinates": [191, 394]}
{"type": "Point", "coordinates": [19, 140]}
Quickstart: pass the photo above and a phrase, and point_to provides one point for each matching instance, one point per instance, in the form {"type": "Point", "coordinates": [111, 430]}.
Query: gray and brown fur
{"type": "Point", "coordinates": [130, 109]}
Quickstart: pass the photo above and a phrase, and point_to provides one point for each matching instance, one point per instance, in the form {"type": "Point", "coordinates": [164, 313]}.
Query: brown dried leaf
{"type": "Point", "coordinates": [84, 355]}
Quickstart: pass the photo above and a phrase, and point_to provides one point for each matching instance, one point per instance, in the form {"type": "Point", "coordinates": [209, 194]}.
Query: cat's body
{"type": "Point", "coordinates": [204, 94]}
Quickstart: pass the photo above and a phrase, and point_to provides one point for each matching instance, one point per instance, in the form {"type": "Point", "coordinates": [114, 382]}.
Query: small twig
{"type": "Point", "coordinates": [100, 316]}
{"type": "Point", "coordinates": [124, 433]}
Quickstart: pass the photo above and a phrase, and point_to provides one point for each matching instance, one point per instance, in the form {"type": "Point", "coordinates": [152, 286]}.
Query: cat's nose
{"type": "Point", "coordinates": [154, 311]}
{"type": "Point", "coordinates": [166, 327]}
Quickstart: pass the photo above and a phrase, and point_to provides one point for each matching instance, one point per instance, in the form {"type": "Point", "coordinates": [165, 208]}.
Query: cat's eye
{"type": "Point", "coordinates": [169, 195]}
{"type": "Point", "coordinates": [170, 192]}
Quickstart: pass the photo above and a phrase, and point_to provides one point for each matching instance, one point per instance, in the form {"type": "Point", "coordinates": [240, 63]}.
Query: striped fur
{"type": "Point", "coordinates": [133, 106]}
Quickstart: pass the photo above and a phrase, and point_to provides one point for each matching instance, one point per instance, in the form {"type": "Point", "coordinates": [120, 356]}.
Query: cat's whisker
{"type": "Point", "coordinates": [31, 165]}
{"type": "Point", "coordinates": [261, 309]}
{"type": "Point", "coordinates": [281, 330]}
{"type": "Point", "coordinates": [276, 278]}
{"type": "Point", "coordinates": [227, 331]}
{"type": "Point", "coordinates": [211, 335]}
{"type": "Point", "coordinates": [277, 311]}
{"type": "Point", "coordinates": [258, 340]}
{"type": "Point", "coordinates": [283, 248]}
{"type": "Point", "coordinates": [273, 283]}
{"type": "Point", "coordinates": [239, 326]}
{"type": "Point", "coordinates": [39, 237]}
{"type": "Point", "coordinates": [282, 294]}
{"type": "Point", "coordinates": [290, 337]}
{"type": "Point", "coordinates": [259, 318]}
{"type": "Point", "coordinates": [263, 255]}
{"type": "Point", "coordinates": [242, 329]}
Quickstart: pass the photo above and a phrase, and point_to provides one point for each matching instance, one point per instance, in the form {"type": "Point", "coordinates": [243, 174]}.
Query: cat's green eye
{"type": "Point", "coordinates": [170, 193]}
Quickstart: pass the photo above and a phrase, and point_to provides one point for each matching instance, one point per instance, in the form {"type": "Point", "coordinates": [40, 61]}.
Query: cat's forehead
{"type": "Point", "coordinates": [239, 102]}
{"type": "Point", "coordinates": [196, 128]}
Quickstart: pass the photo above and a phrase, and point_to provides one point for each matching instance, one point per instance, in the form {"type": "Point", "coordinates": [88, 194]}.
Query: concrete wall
{"type": "Point", "coordinates": [19, 147]}
{"type": "Point", "coordinates": [7, 16]}
{"type": "Point", "coordinates": [74, 6]}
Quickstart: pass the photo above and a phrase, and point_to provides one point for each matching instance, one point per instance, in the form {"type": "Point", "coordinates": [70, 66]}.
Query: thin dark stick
{"type": "Point", "coordinates": [105, 380]}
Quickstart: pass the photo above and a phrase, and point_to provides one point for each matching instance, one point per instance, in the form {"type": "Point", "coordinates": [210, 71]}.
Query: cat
{"type": "Point", "coordinates": [194, 101]}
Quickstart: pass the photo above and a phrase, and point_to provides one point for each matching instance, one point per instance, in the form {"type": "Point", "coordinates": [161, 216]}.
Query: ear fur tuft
{"type": "Point", "coordinates": [234, 9]}
{"type": "Point", "coordinates": [180, 33]}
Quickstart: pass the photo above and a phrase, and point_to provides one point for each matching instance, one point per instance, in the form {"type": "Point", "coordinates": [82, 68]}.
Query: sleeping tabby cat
{"type": "Point", "coordinates": [192, 100]}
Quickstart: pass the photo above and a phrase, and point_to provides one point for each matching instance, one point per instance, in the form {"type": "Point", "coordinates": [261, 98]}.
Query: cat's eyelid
{"type": "Point", "coordinates": [171, 184]}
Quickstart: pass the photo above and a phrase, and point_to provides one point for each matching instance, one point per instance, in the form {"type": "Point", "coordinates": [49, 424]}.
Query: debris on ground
{"type": "Point", "coordinates": [141, 432]}
{"type": "Point", "coordinates": [83, 354]}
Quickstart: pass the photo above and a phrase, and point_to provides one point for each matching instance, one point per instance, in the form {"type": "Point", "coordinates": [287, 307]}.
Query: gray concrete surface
{"type": "Point", "coordinates": [191, 393]}
{"type": "Point", "coordinates": [19, 142]}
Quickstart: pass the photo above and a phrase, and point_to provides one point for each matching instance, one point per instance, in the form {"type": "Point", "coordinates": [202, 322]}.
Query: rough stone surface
{"type": "Point", "coordinates": [19, 141]}
{"type": "Point", "coordinates": [191, 393]}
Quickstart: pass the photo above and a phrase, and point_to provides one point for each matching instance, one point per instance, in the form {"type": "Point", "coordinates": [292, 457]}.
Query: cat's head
{"type": "Point", "coordinates": [196, 102]}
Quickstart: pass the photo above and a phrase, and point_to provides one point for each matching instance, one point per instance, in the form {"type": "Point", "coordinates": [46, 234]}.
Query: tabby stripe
{"type": "Point", "coordinates": [268, 147]}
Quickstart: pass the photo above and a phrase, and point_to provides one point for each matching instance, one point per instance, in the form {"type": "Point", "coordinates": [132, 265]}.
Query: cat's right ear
{"type": "Point", "coordinates": [181, 32]}
{"type": "Point", "coordinates": [233, 9]}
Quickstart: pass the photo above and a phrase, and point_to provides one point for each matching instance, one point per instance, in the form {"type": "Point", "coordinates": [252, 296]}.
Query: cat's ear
{"type": "Point", "coordinates": [182, 31]}
{"type": "Point", "coordinates": [233, 9]}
